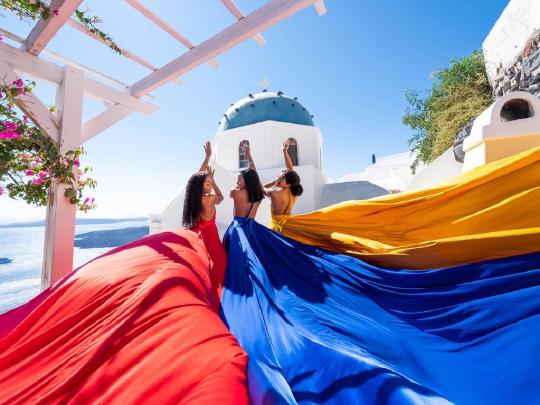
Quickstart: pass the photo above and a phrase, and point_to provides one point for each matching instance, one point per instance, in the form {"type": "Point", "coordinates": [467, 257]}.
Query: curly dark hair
{"type": "Point", "coordinates": [193, 200]}
{"type": "Point", "coordinates": [293, 180]}
{"type": "Point", "coordinates": [254, 187]}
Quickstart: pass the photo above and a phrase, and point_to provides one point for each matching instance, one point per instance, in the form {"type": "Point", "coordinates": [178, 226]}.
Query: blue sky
{"type": "Point", "coordinates": [348, 68]}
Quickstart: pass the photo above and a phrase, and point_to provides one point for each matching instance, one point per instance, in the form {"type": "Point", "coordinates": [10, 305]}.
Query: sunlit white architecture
{"type": "Point", "coordinates": [266, 120]}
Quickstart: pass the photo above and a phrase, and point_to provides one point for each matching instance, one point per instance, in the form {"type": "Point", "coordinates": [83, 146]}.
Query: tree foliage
{"type": "Point", "coordinates": [459, 93]}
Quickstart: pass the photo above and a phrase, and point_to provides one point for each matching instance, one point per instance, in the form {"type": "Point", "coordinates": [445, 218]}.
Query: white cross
{"type": "Point", "coordinates": [264, 83]}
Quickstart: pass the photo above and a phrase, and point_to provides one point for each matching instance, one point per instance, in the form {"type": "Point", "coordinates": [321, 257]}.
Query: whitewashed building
{"type": "Point", "coordinates": [266, 120]}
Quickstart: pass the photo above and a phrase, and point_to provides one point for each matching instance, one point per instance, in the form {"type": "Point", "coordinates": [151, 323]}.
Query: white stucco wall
{"type": "Point", "coordinates": [506, 40]}
{"type": "Point", "coordinates": [492, 138]}
{"type": "Point", "coordinates": [438, 171]}
{"type": "Point", "coordinates": [266, 142]}
{"type": "Point", "coordinates": [392, 172]}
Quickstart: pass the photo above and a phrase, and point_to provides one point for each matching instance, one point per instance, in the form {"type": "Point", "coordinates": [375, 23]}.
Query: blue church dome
{"type": "Point", "coordinates": [265, 106]}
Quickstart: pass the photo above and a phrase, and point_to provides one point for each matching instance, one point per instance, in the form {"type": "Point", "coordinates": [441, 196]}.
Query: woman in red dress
{"type": "Point", "coordinates": [202, 196]}
{"type": "Point", "coordinates": [138, 324]}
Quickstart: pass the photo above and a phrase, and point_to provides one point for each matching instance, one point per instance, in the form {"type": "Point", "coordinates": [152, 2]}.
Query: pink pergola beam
{"type": "Point", "coordinates": [164, 26]}
{"type": "Point", "coordinates": [124, 52]}
{"type": "Point", "coordinates": [159, 22]}
{"type": "Point", "coordinates": [45, 30]}
{"type": "Point", "coordinates": [261, 19]}
{"type": "Point", "coordinates": [128, 54]}
{"type": "Point", "coordinates": [238, 15]}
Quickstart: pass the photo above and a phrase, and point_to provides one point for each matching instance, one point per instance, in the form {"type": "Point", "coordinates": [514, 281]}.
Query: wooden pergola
{"type": "Point", "coordinates": [74, 81]}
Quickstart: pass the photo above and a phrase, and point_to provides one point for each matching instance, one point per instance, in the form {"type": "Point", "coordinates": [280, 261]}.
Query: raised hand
{"type": "Point", "coordinates": [286, 145]}
{"type": "Point", "coordinates": [246, 149]}
{"type": "Point", "coordinates": [207, 153]}
{"type": "Point", "coordinates": [210, 171]}
{"type": "Point", "coordinates": [288, 161]}
{"type": "Point", "coordinates": [208, 149]}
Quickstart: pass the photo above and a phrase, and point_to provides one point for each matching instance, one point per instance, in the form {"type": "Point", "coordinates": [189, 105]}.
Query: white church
{"type": "Point", "coordinates": [265, 120]}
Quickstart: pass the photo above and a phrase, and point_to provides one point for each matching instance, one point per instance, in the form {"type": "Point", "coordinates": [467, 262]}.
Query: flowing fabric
{"type": "Point", "coordinates": [321, 327]}
{"type": "Point", "coordinates": [137, 325]}
{"type": "Point", "coordinates": [490, 212]}
{"type": "Point", "coordinates": [208, 232]}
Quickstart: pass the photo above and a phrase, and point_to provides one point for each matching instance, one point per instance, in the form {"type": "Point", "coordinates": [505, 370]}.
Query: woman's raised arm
{"type": "Point", "coordinates": [288, 161]}
{"type": "Point", "coordinates": [207, 154]}
{"type": "Point", "coordinates": [218, 195]}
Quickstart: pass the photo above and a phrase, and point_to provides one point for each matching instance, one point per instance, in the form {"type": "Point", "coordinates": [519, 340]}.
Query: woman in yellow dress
{"type": "Point", "coordinates": [492, 211]}
{"type": "Point", "coordinates": [283, 191]}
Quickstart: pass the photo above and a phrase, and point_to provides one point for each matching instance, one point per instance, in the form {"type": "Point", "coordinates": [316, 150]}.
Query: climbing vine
{"type": "Point", "coordinates": [35, 9]}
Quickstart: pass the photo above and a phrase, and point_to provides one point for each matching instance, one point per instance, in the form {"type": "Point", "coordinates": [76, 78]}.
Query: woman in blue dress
{"type": "Point", "coordinates": [321, 327]}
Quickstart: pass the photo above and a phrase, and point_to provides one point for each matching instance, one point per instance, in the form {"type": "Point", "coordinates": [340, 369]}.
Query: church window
{"type": "Point", "coordinates": [242, 157]}
{"type": "Point", "coordinates": [293, 151]}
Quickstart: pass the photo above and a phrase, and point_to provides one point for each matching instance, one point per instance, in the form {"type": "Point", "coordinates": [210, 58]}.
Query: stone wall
{"type": "Point", "coordinates": [512, 49]}
{"type": "Point", "coordinates": [524, 74]}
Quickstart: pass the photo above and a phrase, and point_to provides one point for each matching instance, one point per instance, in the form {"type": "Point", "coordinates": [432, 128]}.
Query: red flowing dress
{"type": "Point", "coordinates": [208, 232]}
{"type": "Point", "coordinates": [136, 325]}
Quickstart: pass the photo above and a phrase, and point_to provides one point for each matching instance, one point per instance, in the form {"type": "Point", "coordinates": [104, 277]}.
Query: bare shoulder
{"type": "Point", "coordinates": [238, 193]}
{"type": "Point", "coordinates": [209, 199]}
{"type": "Point", "coordinates": [280, 193]}
{"type": "Point", "coordinates": [269, 191]}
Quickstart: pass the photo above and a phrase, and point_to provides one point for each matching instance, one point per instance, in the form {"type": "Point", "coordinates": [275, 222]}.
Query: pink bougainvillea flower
{"type": "Point", "coordinates": [38, 159]}
{"type": "Point", "coordinates": [43, 174]}
{"type": "Point", "coordinates": [92, 200]}
{"type": "Point", "coordinates": [1, 37]}
{"type": "Point", "coordinates": [55, 11]}
{"type": "Point", "coordinates": [86, 200]}
{"type": "Point", "coordinates": [37, 182]}
{"type": "Point", "coordinates": [25, 119]}
{"type": "Point", "coordinates": [9, 135]}
{"type": "Point", "coordinates": [1, 190]}
{"type": "Point", "coordinates": [10, 126]}
{"type": "Point", "coordinates": [29, 172]}
{"type": "Point", "coordinates": [9, 131]}
{"type": "Point", "coordinates": [20, 85]}
{"type": "Point", "coordinates": [76, 163]}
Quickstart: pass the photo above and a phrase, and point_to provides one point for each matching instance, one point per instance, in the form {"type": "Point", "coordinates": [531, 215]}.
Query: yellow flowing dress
{"type": "Point", "coordinates": [276, 221]}
{"type": "Point", "coordinates": [490, 212]}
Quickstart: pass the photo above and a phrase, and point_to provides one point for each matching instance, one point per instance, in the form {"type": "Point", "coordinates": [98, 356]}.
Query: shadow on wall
{"type": "Point", "coordinates": [334, 193]}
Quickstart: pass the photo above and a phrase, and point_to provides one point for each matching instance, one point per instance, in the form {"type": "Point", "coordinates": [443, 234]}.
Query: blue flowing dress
{"type": "Point", "coordinates": [326, 328]}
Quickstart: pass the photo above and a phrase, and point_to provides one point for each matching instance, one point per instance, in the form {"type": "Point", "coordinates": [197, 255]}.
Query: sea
{"type": "Point", "coordinates": [20, 280]}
